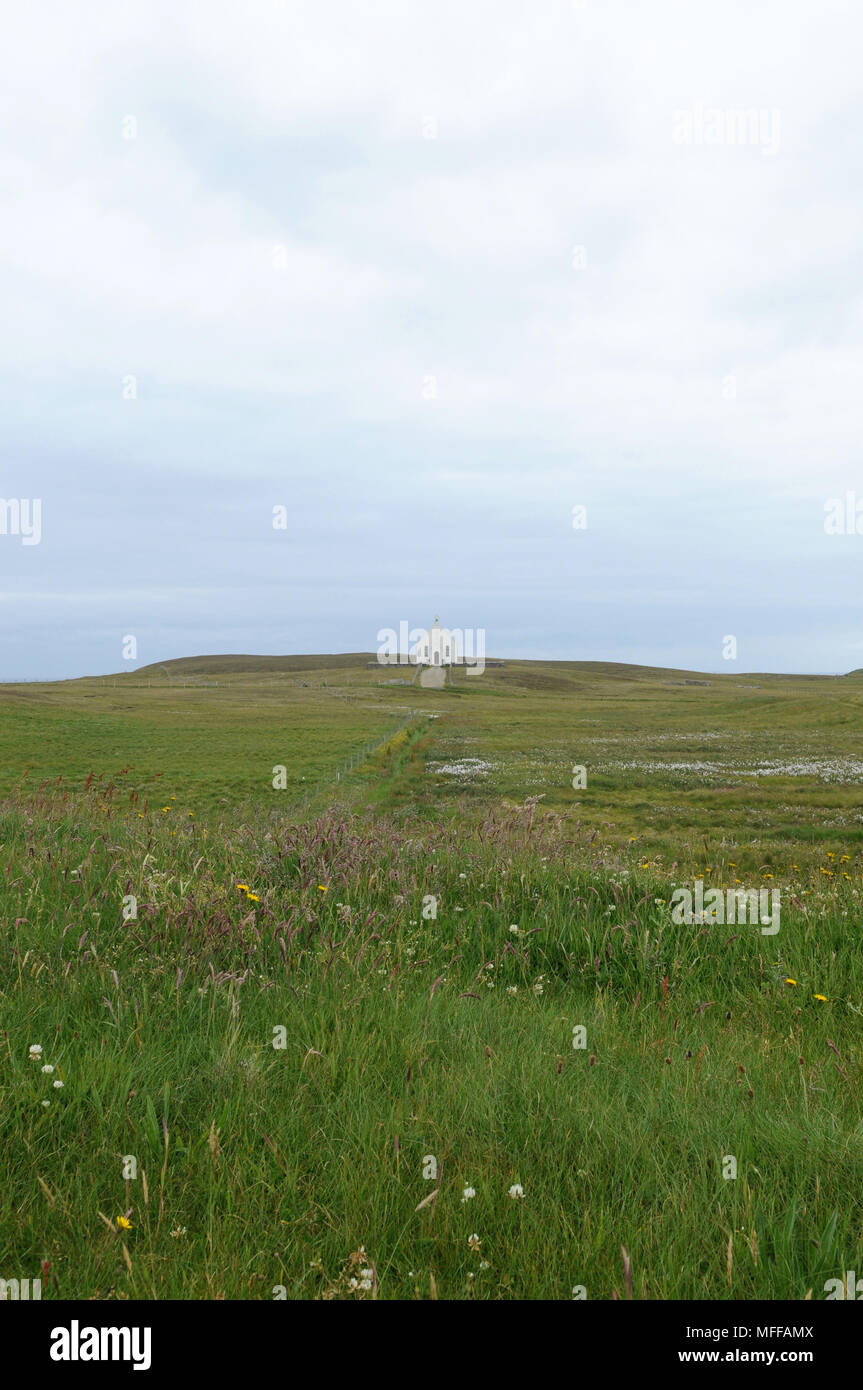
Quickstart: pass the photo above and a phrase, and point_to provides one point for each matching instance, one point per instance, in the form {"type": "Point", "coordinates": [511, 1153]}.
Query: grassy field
{"type": "Point", "coordinates": [297, 1027]}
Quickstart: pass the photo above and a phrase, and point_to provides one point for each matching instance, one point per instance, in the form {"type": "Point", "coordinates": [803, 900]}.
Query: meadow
{"type": "Point", "coordinates": [418, 1023]}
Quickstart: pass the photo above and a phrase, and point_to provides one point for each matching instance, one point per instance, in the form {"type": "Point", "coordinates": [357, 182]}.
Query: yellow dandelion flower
{"type": "Point", "coordinates": [322, 888]}
{"type": "Point", "coordinates": [791, 982]}
{"type": "Point", "coordinates": [822, 997]}
{"type": "Point", "coordinates": [124, 1224]}
{"type": "Point", "coordinates": [252, 898]}
{"type": "Point", "coordinates": [244, 886]}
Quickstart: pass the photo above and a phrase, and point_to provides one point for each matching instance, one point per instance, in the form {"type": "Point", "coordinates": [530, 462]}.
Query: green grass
{"type": "Point", "coordinates": [416, 1044]}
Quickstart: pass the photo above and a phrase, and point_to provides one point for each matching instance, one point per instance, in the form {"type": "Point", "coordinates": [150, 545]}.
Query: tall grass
{"type": "Point", "coordinates": [416, 1056]}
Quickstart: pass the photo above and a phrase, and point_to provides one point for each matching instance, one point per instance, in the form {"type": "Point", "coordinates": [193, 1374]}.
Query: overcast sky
{"type": "Point", "coordinates": [430, 277]}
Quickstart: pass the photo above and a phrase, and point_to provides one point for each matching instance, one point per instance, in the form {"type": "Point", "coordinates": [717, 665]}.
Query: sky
{"type": "Point", "coordinates": [544, 317]}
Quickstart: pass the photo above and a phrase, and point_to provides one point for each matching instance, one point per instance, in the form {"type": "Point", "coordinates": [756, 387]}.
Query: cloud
{"type": "Point", "coordinates": [431, 277]}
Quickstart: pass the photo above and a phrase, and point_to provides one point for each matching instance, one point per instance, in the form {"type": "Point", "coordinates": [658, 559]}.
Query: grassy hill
{"type": "Point", "coordinates": [316, 950]}
{"type": "Point", "coordinates": [250, 665]}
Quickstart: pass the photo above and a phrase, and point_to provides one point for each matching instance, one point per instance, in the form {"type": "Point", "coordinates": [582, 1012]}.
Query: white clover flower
{"type": "Point", "coordinates": [512, 989]}
{"type": "Point", "coordinates": [47, 1068]}
{"type": "Point", "coordinates": [57, 1085]}
{"type": "Point", "coordinates": [468, 1193]}
{"type": "Point", "coordinates": [35, 1049]}
{"type": "Point", "coordinates": [515, 929]}
{"type": "Point", "coordinates": [462, 875]}
{"type": "Point", "coordinates": [516, 1190]}
{"type": "Point", "coordinates": [366, 1273]}
{"type": "Point", "coordinates": [46, 1102]}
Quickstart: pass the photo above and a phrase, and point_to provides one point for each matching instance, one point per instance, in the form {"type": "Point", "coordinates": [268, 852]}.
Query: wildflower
{"type": "Point", "coordinates": [366, 1273]}
{"type": "Point", "coordinates": [124, 1223]}
{"type": "Point", "coordinates": [462, 875]}
{"type": "Point", "coordinates": [473, 1242]}
{"type": "Point", "coordinates": [512, 989]}
{"type": "Point", "coordinates": [35, 1050]}
{"type": "Point", "coordinates": [515, 929]}
{"type": "Point", "coordinates": [244, 887]}
{"type": "Point", "coordinates": [47, 1068]}
{"type": "Point", "coordinates": [516, 1190]}
{"type": "Point", "coordinates": [252, 898]}
{"type": "Point", "coordinates": [791, 982]}
{"type": "Point", "coordinates": [58, 1085]}
{"type": "Point", "coordinates": [46, 1103]}
{"type": "Point", "coordinates": [365, 1284]}
{"type": "Point", "coordinates": [178, 1231]}
{"type": "Point", "coordinates": [822, 997]}
{"type": "Point", "coordinates": [468, 1193]}
{"type": "Point", "coordinates": [322, 888]}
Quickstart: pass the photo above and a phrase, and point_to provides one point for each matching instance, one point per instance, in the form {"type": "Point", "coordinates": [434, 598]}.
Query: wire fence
{"type": "Point", "coordinates": [356, 759]}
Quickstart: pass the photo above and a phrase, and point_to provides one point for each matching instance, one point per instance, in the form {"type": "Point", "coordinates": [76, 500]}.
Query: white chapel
{"type": "Point", "coordinates": [437, 647]}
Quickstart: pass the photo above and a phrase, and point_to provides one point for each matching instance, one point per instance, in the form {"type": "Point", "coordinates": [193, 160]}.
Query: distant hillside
{"type": "Point", "coordinates": [538, 674]}
{"type": "Point", "coordinates": [232, 665]}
